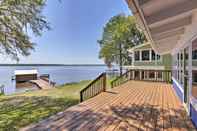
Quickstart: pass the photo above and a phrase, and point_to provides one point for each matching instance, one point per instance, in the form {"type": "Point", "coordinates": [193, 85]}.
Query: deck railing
{"type": "Point", "coordinates": [143, 75]}
{"type": "Point", "coordinates": [121, 79]}
{"type": "Point", "coordinates": [94, 88]}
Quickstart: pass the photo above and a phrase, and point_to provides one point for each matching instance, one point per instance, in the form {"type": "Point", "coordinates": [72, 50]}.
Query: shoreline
{"type": "Point", "coordinates": [80, 65]}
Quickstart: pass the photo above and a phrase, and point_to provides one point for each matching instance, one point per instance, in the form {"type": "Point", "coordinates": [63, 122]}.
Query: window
{"type": "Point", "coordinates": [137, 55]}
{"type": "Point", "coordinates": [175, 67]}
{"type": "Point", "coordinates": [145, 75]}
{"type": "Point", "coordinates": [158, 57]}
{"type": "Point", "coordinates": [152, 75]}
{"type": "Point", "coordinates": [181, 64]}
{"type": "Point", "coordinates": [153, 55]}
{"type": "Point", "coordinates": [194, 75]}
{"type": "Point", "coordinates": [159, 75]}
{"type": "Point", "coordinates": [137, 75]}
{"type": "Point", "coordinates": [194, 70]}
{"type": "Point", "coordinates": [194, 54]}
{"type": "Point", "coordinates": [145, 55]}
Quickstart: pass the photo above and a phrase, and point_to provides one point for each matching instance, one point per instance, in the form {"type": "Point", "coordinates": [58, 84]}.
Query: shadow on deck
{"type": "Point", "coordinates": [132, 106]}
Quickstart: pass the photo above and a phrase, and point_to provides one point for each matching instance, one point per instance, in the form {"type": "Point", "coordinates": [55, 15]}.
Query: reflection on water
{"type": "Point", "coordinates": [58, 74]}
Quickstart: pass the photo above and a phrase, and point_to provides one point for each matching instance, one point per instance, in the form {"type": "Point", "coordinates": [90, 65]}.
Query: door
{"type": "Point", "coordinates": [185, 75]}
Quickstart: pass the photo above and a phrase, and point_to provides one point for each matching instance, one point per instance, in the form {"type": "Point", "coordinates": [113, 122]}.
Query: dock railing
{"type": "Point", "coordinates": [2, 89]}
{"type": "Point", "coordinates": [143, 75]}
{"type": "Point", "coordinates": [94, 88]}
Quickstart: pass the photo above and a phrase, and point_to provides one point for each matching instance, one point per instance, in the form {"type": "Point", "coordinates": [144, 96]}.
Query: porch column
{"type": "Point", "coordinates": [140, 55]}
{"type": "Point", "coordinates": [180, 64]}
{"type": "Point", "coordinates": [156, 75]}
{"type": "Point", "coordinates": [150, 55]}
{"type": "Point", "coordinates": [190, 71]}
{"type": "Point", "coordinates": [140, 75]}
{"type": "Point", "coordinates": [133, 74]}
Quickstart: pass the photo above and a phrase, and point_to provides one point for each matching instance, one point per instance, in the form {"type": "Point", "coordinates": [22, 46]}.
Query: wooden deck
{"type": "Point", "coordinates": [42, 84]}
{"type": "Point", "coordinates": [131, 106]}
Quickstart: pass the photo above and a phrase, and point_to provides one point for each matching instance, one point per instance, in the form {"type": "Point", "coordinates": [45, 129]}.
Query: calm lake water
{"type": "Point", "coordinates": [58, 74]}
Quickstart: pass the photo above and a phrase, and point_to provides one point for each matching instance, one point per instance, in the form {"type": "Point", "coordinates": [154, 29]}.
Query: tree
{"type": "Point", "coordinates": [17, 17]}
{"type": "Point", "coordinates": [119, 34]}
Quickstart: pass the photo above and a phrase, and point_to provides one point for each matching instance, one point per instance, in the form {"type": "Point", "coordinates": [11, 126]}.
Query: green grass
{"type": "Point", "coordinates": [17, 111]}
{"type": "Point", "coordinates": [20, 110]}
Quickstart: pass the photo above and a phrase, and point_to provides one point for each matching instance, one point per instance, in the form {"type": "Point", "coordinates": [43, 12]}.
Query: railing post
{"type": "Point", "coordinates": [112, 85]}
{"type": "Point", "coordinates": [129, 74]}
{"type": "Point", "coordinates": [81, 96]}
{"type": "Point", "coordinates": [104, 81]}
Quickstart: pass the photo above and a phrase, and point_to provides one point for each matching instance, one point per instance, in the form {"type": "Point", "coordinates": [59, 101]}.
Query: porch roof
{"type": "Point", "coordinates": [138, 47]}
{"type": "Point", "coordinates": [169, 24]}
{"type": "Point", "coordinates": [25, 72]}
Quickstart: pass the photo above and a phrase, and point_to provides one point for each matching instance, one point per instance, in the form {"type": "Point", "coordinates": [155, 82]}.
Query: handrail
{"type": "Point", "coordinates": [143, 75]}
{"type": "Point", "coordinates": [94, 88]}
{"type": "Point", "coordinates": [121, 79]}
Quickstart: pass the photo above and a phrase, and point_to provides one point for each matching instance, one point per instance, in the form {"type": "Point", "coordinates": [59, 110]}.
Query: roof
{"type": "Point", "coordinates": [168, 24]}
{"type": "Point", "coordinates": [25, 72]}
{"type": "Point", "coordinates": [146, 45]}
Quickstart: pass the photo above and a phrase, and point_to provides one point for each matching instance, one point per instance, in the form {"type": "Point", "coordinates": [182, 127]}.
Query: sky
{"type": "Point", "coordinates": [76, 27]}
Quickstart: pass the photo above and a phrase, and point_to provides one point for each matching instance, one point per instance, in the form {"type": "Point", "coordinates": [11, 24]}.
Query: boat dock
{"type": "Point", "coordinates": [31, 76]}
{"type": "Point", "coordinates": [42, 84]}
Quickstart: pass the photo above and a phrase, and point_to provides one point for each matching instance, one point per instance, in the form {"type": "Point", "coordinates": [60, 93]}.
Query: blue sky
{"type": "Point", "coordinates": [76, 27]}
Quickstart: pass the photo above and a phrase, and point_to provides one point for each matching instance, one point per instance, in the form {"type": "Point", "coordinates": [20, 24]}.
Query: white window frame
{"type": "Point", "coordinates": [149, 55]}
{"type": "Point", "coordinates": [139, 56]}
{"type": "Point", "coordinates": [192, 58]}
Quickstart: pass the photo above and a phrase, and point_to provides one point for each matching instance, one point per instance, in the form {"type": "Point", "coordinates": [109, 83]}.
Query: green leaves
{"type": "Point", "coordinates": [17, 17]}
{"type": "Point", "coordinates": [122, 30]}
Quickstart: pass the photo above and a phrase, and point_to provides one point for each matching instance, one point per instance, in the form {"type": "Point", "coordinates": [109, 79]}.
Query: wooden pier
{"type": "Point", "coordinates": [42, 84]}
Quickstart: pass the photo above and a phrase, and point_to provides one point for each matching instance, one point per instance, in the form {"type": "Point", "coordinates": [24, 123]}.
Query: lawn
{"type": "Point", "coordinates": [19, 110]}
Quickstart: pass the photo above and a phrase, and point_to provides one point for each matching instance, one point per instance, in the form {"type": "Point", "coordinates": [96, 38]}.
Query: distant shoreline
{"type": "Point", "coordinates": [52, 65]}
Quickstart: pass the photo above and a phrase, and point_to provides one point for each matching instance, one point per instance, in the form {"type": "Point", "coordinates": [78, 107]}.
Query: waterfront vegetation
{"type": "Point", "coordinates": [119, 35]}
{"type": "Point", "coordinates": [19, 110]}
{"type": "Point", "coordinates": [22, 109]}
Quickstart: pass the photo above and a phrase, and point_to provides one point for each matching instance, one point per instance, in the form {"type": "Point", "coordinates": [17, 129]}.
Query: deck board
{"type": "Point", "coordinates": [135, 99]}
{"type": "Point", "coordinates": [135, 105]}
{"type": "Point", "coordinates": [116, 125]}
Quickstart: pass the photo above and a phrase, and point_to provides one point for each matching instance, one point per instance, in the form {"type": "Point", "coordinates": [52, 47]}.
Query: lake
{"type": "Point", "coordinates": [58, 74]}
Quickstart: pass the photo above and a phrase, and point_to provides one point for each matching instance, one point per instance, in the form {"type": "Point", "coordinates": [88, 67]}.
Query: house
{"type": "Point", "coordinates": [144, 58]}
{"type": "Point", "coordinates": [171, 27]}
